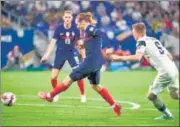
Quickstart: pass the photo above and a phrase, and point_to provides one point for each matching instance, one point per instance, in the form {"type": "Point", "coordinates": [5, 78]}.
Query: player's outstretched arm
{"type": "Point", "coordinates": [137, 57]}
{"type": "Point", "coordinates": [49, 50]}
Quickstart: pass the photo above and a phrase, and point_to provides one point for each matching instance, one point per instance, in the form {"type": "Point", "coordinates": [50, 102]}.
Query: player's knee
{"type": "Point", "coordinates": [174, 95]}
{"type": "Point", "coordinates": [54, 76]}
{"type": "Point", "coordinates": [67, 82]}
{"type": "Point", "coordinates": [152, 96]}
{"type": "Point", "coordinates": [93, 87]}
{"type": "Point", "coordinates": [96, 87]}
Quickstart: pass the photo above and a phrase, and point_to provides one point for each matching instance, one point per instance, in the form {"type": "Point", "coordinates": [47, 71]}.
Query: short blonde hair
{"type": "Point", "coordinates": [139, 28]}
{"type": "Point", "coordinates": [86, 16]}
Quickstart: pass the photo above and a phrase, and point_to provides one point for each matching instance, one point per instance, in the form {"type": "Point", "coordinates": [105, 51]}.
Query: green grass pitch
{"type": "Point", "coordinates": [125, 87]}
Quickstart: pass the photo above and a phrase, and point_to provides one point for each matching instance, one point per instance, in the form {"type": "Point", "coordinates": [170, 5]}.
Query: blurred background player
{"type": "Point", "coordinates": [14, 59]}
{"type": "Point", "coordinates": [161, 59]}
{"type": "Point", "coordinates": [64, 37]}
{"type": "Point", "coordinates": [91, 65]}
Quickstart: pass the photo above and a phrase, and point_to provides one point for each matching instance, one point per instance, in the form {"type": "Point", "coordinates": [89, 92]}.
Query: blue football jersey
{"type": "Point", "coordinates": [92, 44]}
{"type": "Point", "coordinates": [66, 37]}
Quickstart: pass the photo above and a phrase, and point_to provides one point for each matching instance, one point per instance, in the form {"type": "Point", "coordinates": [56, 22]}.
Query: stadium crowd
{"type": "Point", "coordinates": [163, 17]}
{"type": "Point", "coordinates": [4, 22]}
{"type": "Point", "coordinates": [114, 17]}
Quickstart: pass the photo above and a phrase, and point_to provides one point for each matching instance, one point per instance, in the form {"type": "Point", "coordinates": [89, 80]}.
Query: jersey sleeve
{"type": "Point", "coordinates": [166, 51]}
{"type": "Point", "coordinates": [56, 33]}
{"type": "Point", "coordinates": [141, 46]}
{"type": "Point", "coordinates": [93, 31]}
{"type": "Point", "coordinates": [105, 40]}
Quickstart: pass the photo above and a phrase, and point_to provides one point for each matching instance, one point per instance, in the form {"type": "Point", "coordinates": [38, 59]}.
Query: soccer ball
{"type": "Point", "coordinates": [8, 99]}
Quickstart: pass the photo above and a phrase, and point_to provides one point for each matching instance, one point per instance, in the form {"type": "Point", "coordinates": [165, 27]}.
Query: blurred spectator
{"type": "Point", "coordinates": [14, 59]}
{"type": "Point", "coordinates": [40, 6]}
{"type": "Point", "coordinates": [167, 22]}
{"type": "Point", "coordinates": [156, 24]}
{"type": "Point", "coordinates": [54, 4]}
{"type": "Point", "coordinates": [136, 14]}
{"type": "Point", "coordinates": [120, 22]}
{"type": "Point", "coordinates": [73, 6]}
{"type": "Point", "coordinates": [86, 5]}
{"type": "Point", "coordinates": [165, 5]}
{"type": "Point", "coordinates": [104, 18]}
{"type": "Point", "coordinates": [158, 14]}
{"type": "Point", "coordinates": [171, 42]}
{"type": "Point", "coordinates": [4, 22]}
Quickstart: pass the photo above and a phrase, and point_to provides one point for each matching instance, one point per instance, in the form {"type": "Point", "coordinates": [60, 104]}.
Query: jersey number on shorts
{"type": "Point", "coordinates": [159, 47]}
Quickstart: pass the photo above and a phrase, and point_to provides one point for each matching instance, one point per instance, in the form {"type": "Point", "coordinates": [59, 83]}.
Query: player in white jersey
{"type": "Point", "coordinates": [162, 61]}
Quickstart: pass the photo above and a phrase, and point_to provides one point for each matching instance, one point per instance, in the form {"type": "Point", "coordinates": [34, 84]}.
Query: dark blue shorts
{"type": "Point", "coordinates": [85, 70]}
{"type": "Point", "coordinates": [60, 59]}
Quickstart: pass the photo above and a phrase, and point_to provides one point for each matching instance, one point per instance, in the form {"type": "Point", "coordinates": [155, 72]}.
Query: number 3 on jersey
{"type": "Point", "coordinates": [159, 47]}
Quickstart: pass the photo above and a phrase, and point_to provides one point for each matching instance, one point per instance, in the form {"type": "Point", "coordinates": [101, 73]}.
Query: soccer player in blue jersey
{"type": "Point", "coordinates": [91, 65]}
{"type": "Point", "coordinates": [64, 37]}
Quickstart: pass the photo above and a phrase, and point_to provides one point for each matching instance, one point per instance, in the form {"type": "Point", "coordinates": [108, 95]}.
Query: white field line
{"type": "Point", "coordinates": [135, 106]}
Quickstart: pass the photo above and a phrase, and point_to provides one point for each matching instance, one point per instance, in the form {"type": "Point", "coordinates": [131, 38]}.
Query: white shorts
{"type": "Point", "coordinates": [162, 81]}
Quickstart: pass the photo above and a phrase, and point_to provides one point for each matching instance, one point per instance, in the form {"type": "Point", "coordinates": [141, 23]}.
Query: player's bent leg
{"type": "Point", "coordinates": [58, 64]}
{"type": "Point", "coordinates": [152, 96]}
{"type": "Point", "coordinates": [57, 90]}
{"type": "Point", "coordinates": [54, 75]}
{"type": "Point", "coordinates": [108, 98]}
{"type": "Point", "coordinates": [62, 86]}
{"type": "Point", "coordinates": [158, 85]}
{"type": "Point", "coordinates": [54, 81]}
{"type": "Point", "coordinates": [74, 62]}
{"type": "Point", "coordinates": [173, 89]}
{"type": "Point", "coordinates": [174, 95]}
{"type": "Point", "coordinates": [158, 104]}
{"type": "Point", "coordinates": [81, 86]}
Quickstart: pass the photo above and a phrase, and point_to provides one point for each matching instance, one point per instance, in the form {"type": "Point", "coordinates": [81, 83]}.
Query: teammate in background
{"type": "Point", "coordinates": [161, 59]}
{"type": "Point", "coordinates": [91, 65]}
{"type": "Point", "coordinates": [64, 37]}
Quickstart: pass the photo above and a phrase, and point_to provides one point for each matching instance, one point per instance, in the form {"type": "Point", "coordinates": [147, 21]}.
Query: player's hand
{"type": "Point", "coordinates": [44, 58]}
{"type": "Point", "coordinates": [114, 57]}
{"type": "Point", "coordinates": [80, 44]}
{"type": "Point", "coordinates": [109, 51]}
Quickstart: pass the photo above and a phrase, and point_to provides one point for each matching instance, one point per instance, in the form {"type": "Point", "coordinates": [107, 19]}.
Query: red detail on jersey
{"type": "Point", "coordinates": [67, 37]}
{"type": "Point", "coordinates": [87, 38]}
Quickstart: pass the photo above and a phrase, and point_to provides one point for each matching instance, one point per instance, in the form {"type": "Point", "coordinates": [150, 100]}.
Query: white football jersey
{"type": "Point", "coordinates": [156, 54]}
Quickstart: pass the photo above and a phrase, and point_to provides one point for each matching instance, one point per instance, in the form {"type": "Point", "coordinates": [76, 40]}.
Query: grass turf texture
{"type": "Point", "coordinates": [124, 86]}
